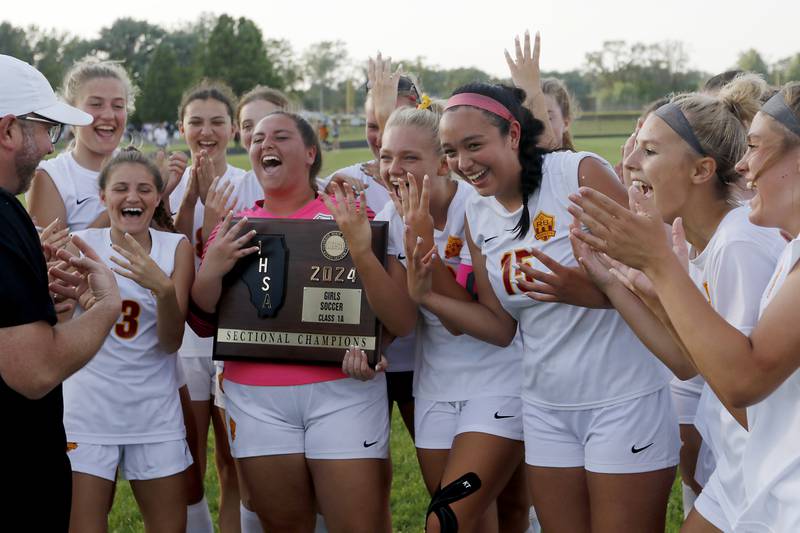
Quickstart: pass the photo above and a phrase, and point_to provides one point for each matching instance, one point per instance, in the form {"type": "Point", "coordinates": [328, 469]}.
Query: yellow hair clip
{"type": "Point", "coordinates": [425, 103]}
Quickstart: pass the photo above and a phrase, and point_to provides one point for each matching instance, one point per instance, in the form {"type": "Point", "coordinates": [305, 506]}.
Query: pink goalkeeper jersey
{"type": "Point", "coordinates": [280, 374]}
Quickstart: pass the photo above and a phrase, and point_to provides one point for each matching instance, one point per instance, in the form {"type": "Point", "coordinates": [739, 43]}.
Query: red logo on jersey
{"type": "Point", "coordinates": [545, 226]}
{"type": "Point", "coordinates": [71, 446]}
{"type": "Point", "coordinates": [510, 274]}
{"type": "Point", "coordinates": [233, 429]}
{"type": "Point", "coordinates": [453, 247]}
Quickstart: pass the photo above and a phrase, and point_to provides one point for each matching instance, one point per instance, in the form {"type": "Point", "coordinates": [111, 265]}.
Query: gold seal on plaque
{"type": "Point", "coordinates": [333, 246]}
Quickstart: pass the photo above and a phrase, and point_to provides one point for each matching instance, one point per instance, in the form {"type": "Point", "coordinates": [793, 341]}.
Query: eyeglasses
{"type": "Point", "coordinates": [53, 128]}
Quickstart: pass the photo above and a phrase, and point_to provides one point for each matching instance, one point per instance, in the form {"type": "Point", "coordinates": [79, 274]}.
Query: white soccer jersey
{"type": "Point", "coordinates": [376, 194]}
{"type": "Point", "coordinates": [248, 191]}
{"type": "Point", "coordinates": [574, 357]}
{"type": "Point", "coordinates": [194, 346]}
{"type": "Point", "coordinates": [772, 453]}
{"type": "Point", "coordinates": [732, 272]}
{"type": "Point", "coordinates": [78, 189]}
{"type": "Point", "coordinates": [447, 367]}
{"type": "Point", "coordinates": [128, 393]}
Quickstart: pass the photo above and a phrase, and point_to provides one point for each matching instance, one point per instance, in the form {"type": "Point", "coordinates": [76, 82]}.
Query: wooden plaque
{"type": "Point", "coordinates": [299, 298]}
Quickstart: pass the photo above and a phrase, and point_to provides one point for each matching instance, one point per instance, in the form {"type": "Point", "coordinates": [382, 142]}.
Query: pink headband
{"type": "Point", "coordinates": [481, 102]}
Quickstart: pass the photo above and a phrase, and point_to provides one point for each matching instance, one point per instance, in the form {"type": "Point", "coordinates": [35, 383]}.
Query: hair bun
{"type": "Point", "coordinates": [742, 96]}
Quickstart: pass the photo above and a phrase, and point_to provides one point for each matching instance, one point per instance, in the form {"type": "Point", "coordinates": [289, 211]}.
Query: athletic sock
{"type": "Point", "coordinates": [198, 518]}
{"type": "Point", "coordinates": [534, 520]}
{"type": "Point", "coordinates": [249, 520]}
{"type": "Point", "coordinates": [688, 498]}
{"type": "Point", "coordinates": [321, 527]}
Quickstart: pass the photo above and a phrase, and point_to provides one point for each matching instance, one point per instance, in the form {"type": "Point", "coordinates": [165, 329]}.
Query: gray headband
{"type": "Point", "coordinates": [776, 108]}
{"type": "Point", "coordinates": [671, 114]}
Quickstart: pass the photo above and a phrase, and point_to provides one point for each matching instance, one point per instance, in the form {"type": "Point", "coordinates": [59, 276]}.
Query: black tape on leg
{"type": "Point", "coordinates": [441, 500]}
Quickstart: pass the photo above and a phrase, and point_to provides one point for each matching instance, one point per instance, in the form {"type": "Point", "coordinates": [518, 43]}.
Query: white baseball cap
{"type": "Point", "coordinates": [25, 90]}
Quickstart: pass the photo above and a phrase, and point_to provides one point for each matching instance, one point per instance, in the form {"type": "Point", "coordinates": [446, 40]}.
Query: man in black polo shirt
{"type": "Point", "coordinates": [36, 355]}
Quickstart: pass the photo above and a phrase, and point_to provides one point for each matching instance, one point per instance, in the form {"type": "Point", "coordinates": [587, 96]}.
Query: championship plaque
{"type": "Point", "coordinates": [299, 298]}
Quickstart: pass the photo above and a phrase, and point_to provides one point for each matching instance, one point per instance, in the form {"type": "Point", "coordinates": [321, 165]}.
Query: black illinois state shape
{"type": "Point", "coordinates": [264, 273]}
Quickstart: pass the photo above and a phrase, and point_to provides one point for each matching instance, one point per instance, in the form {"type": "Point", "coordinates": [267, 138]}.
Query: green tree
{"type": "Point", "coordinates": [162, 87]}
{"type": "Point", "coordinates": [14, 42]}
{"type": "Point", "coordinates": [132, 42]}
{"type": "Point", "coordinates": [237, 55]}
{"type": "Point", "coordinates": [786, 70]}
{"type": "Point", "coordinates": [322, 62]}
{"type": "Point", "coordinates": [793, 70]}
{"type": "Point", "coordinates": [752, 61]}
{"type": "Point", "coordinates": [285, 63]}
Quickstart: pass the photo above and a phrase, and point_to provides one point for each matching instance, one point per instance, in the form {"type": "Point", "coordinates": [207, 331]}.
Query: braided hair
{"type": "Point", "coordinates": [530, 155]}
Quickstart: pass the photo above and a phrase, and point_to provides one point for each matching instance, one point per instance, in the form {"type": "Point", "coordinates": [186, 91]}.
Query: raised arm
{"type": "Point", "coordinates": [385, 288]}
{"type": "Point", "coordinates": [526, 75]}
{"type": "Point", "coordinates": [383, 88]}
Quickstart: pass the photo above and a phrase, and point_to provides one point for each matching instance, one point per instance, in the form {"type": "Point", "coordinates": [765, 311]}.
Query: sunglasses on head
{"type": "Point", "coordinates": [405, 86]}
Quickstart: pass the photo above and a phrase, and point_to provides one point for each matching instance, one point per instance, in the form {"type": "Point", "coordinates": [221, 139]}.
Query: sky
{"type": "Point", "coordinates": [467, 32]}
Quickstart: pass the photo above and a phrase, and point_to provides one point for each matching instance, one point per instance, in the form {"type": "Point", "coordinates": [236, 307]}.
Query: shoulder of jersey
{"type": "Point", "coordinates": [236, 172]}
{"type": "Point", "coordinates": [91, 235]}
{"type": "Point", "coordinates": [387, 213]}
{"type": "Point", "coordinates": [57, 165]}
{"type": "Point", "coordinates": [741, 229]}
{"type": "Point", "coordinates": [168, 235]}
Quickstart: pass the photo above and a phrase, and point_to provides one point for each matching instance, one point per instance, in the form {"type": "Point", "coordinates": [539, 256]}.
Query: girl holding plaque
{"type": "Point", "coordinates": [303, 435]}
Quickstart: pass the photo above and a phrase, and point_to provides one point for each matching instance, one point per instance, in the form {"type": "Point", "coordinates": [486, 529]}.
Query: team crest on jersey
{"type": "Point", "coordinates": [453, 247]}
{"type": "Point", "coordinates": [71, 446]}
{"type": "Point", "coordinates": [544, 226]}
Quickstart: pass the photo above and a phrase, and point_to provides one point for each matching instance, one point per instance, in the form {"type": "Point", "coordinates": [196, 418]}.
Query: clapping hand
{"type": "Point", "coordinates": [89, 281]}
{"type": "Point", "coordinates": [203, 170]}
{"type": "Point", "coordinates": [219, 201]}
{"type": "Point", "coordinates": [53, 239]}
{"type": "Point", "coordinates": [228, 247]}
{"type": "Point", "coordinates": [172, 169]}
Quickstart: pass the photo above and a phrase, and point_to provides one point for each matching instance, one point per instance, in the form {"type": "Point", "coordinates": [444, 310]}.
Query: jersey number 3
{"type": "Point", "coordinates": [128, 325]}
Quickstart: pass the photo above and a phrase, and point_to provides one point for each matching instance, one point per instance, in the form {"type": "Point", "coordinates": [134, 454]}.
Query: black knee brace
{"type": "Point", "coordinates": [444, 496]}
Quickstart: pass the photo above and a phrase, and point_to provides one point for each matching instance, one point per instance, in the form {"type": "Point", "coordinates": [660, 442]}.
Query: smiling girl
{"type": "Point", "coordinates": [690, 174]}
{"type": "Point", "coordinates": [299, 432]}
{"type": "Point", "coordinates": [200, 200]}
{"type": "Point", "coordinates": [757, 367]}
{"type": "Point", "coordinates": [65, 187]}
{"type": "Point", "coordinates": [122, 410]}
{"type": "Point", "coordinates": [601, 437]}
